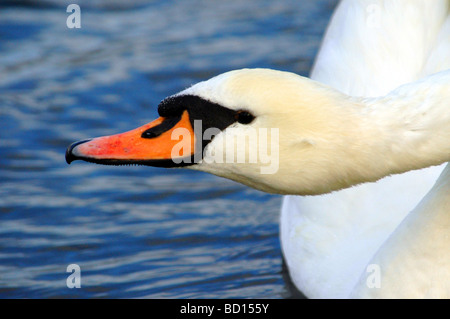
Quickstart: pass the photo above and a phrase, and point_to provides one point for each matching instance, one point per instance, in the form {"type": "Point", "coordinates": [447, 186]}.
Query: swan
{"type": "Point", "coordinates": [370, 48]}
{"type": "Point", "coordinates": [328, 140]}
{"type": "Point", "coordinates": [323, 141]}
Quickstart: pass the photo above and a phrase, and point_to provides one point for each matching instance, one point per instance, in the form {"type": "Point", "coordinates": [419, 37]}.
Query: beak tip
{"type": "Point", "coordinates": [70, 156]}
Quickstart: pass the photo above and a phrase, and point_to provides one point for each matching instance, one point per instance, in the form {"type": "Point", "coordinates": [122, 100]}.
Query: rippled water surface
{"type": "Point", "coordinates": [135, 232]}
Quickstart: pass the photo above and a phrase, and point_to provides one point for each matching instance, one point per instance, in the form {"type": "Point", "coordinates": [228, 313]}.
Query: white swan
{"type": "Point", "coordinates": [370, 48]}
{"type": "Point", "coordinates": [328, 141]}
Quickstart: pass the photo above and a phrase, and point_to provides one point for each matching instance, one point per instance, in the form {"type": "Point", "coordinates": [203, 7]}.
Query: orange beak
{"type": "Point", "coordinates": [163, 142]}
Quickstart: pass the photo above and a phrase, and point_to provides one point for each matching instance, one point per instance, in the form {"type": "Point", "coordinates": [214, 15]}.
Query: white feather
{"type": "Point", "coordinates": [329, 240]}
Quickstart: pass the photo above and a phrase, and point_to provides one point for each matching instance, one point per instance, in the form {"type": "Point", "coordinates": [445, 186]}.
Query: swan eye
{"type": "Point", "coordinates": [244, 117]}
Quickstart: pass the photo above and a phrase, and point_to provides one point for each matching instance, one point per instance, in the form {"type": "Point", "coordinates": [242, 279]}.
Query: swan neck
{"type": "Point", "coordinates": [411, 126]}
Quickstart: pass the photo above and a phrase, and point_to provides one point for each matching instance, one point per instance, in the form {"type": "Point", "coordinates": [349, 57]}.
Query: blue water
{"type": "Point", "coordinates": [135, 232]}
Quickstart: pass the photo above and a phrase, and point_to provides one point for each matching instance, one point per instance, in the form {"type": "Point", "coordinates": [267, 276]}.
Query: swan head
{"type": "Point", "coordinates": [270, 130]}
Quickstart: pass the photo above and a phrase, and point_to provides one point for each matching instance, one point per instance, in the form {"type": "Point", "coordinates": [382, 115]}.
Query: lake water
{"type": "Point", "coordinates": [135, 232]}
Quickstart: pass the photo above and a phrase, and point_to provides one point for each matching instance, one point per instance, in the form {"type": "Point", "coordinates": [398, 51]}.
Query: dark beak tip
{"type": "Point", "coordinates": [70, 157]}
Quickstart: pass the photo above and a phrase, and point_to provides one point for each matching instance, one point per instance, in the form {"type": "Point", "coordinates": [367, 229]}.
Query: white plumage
{"type": "Point", "coordinates": [329, 141]}
{"type": "Point", "coordinates": [370, 48]}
